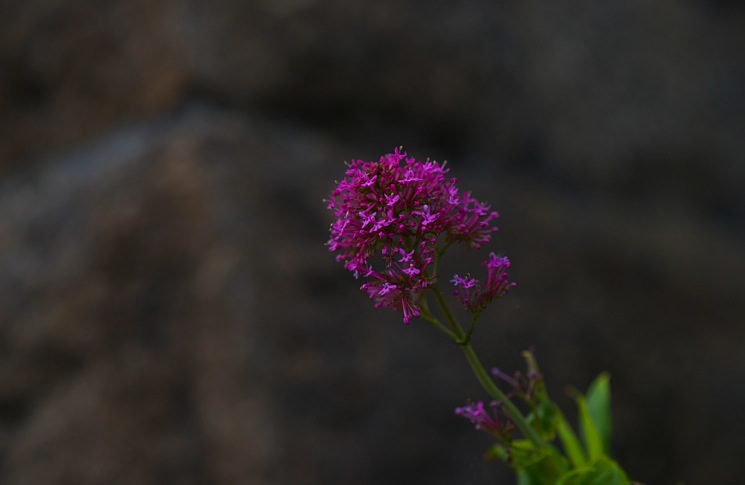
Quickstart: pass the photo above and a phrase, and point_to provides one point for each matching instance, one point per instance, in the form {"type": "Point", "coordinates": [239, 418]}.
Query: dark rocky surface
{"type": "Point", "coordinates": [169, 314]}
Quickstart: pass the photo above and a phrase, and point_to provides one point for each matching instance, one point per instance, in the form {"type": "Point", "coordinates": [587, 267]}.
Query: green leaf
{"type": "Point", "coordinates": [603, 471]}
{"type": "Point", "coordinates": [498, 452]}
{"type": "Point", "coordinates": [537, 466]}
{"type": "Point", "coordinates": [529, 461]}
{"type": "Point", "coordinates": [524, 453]}
{"type": "Point", "coordinates": [543, 418]}
{"type": "Point", "coordinates": [569, 441]}
{"type": "Point", "coordinates": [592, 439]}
{"type": "Point", "coordinates": [598, 406]}
{"type": "Point", "coordinates": [523, 478]}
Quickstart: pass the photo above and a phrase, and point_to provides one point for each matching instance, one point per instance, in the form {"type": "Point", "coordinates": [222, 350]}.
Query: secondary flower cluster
{"type": "Point", "coordinates": [389, 216]}
{"type": "Point", "coordinates": [525, 388]}
{"type": "Point", "coordinates": [470, 292]}
{"type": "Point", "coordinates": [485, 421]}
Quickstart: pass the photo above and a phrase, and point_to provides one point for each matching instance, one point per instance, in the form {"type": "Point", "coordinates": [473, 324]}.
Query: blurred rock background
{"type": "Point", "coordinates": [169, 314]}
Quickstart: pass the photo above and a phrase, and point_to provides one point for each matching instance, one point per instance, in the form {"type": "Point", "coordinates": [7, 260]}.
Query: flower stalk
{"type": "Point", "coordinates": [463, 339]}
{"type": "Point", "coordinates": [394, 219]}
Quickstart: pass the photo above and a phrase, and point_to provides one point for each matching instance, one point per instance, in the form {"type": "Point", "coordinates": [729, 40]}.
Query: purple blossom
{"type": "Point", "coordinates": [473, 295]}
{"type": "Point", "coordinates": [405, 257]}
{"type": "Point", "coordinates": [485, 421]}
{"type": "Point", "coordinates": [525, 387]}
{"type": "Point", "coordinates": [401, 207]}
{"type": "Point", "coordinates": [463, 283]}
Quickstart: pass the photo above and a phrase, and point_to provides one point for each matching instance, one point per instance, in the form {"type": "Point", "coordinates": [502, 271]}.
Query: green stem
{"type": "Point", "coordinates": [428, 317]}
{"type": "Point", "coordinates": [467, 337]}
{"type": "Point", "coordinates": [454, 325]}
{"type": "Point", "coordinates": [482, 375]}
{"type": "Point", "coordinates": [438, 254]}
{"type": "Point", "coordinates": [498, 395]}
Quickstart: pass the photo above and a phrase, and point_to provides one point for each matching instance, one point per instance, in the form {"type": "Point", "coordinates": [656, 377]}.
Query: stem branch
{"type": "Point", "coordinates": [497, 394]}
{"type": "Point", "coordinates": [486, 382]}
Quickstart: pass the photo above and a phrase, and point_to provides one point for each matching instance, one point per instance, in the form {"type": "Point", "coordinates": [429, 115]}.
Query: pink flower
{"type": "Point", "coordinates": [485, 421]}
{"type": "Point", "coordinates": [475, 297]}
{"type": "Point", "coordinates": [400, 207]}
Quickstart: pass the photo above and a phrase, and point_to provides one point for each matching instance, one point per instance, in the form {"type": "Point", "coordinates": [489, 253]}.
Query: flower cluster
{"type": "Point", "coordinates": [475, 297]}
{"type": "Point", "coordinates": [485, 421]}
{"type": "Point", "coordinates": [390, 215]}
{"type": "Point", "coordinates": [523, 387]}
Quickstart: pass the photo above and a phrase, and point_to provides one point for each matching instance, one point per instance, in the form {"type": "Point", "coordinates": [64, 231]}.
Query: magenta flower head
{"type": "Point", "coordinates": [473, 295]}
{"type": "Point", "coordinates": [388, 218]}
{"type": "Point", "coordinates": [485, 421]}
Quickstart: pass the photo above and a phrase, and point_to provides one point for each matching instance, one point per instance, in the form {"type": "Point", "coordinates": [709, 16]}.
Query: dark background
{"type": "Point", "coordinates": [169, 313]}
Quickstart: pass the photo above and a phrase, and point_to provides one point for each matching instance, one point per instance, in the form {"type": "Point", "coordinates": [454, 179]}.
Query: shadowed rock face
{"type": "Point", "coordinates": [169, 314]}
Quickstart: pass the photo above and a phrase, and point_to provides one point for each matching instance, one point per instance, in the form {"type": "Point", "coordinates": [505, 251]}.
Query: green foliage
{"type": "Point", "coordinates": [537, 466]}
{"type": "Point", "coordinates": [543, 417]}
{"type": "Point", "coordinates": [598, 407]}
{"type": "Point", "coordinates": [585, 456]}
{"type": "Point", "coordinates": [603, 471]}
{"type": "Point", "coordinates": [591, 436]}
{"type": "Point", "coordinates": [569, 441]}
